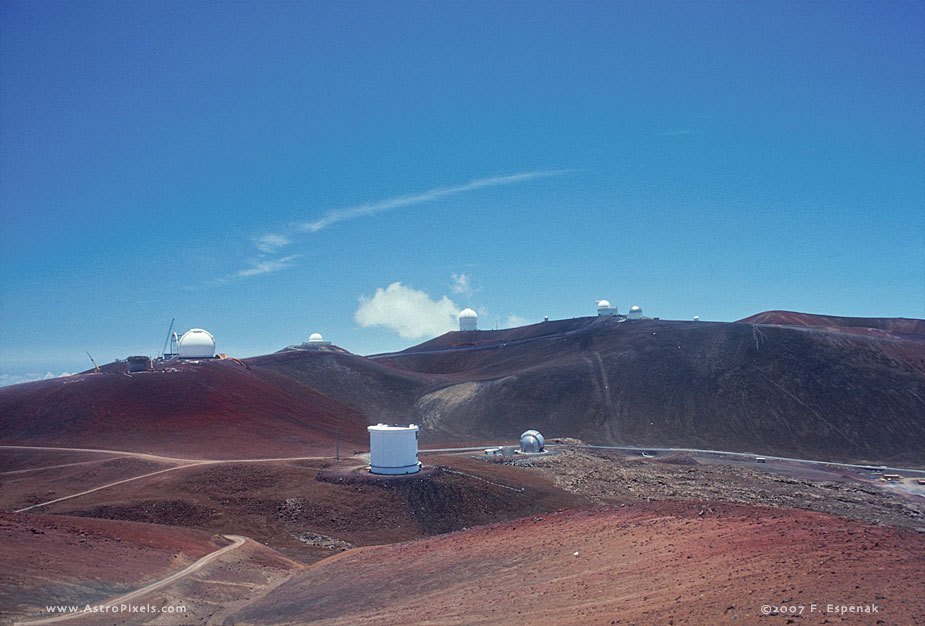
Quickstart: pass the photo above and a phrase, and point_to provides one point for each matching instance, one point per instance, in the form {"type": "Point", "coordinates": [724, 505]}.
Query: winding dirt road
{"type": "Point", "coordinates": [236, 542]}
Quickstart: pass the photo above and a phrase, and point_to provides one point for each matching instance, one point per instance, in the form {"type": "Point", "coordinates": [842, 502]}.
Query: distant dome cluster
{"type": "Point", "coordinates": [605, 309]}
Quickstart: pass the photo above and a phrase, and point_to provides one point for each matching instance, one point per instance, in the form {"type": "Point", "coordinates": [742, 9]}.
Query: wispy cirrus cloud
{"type": "Point", "coordinates": [272, 243]}
{"type": "Point", "coordinates": [340, 215]}
{"type": "Point", "coordinates": [680, 132]}
{"type": "Point", "coordinates": [258, 267]}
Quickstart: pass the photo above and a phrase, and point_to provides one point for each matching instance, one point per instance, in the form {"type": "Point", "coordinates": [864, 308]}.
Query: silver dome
{"type": "Point", "coordinates": [532, 442]}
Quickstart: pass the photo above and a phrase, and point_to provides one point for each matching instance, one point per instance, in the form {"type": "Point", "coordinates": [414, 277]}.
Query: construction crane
{"type": "Point", "coordinates": [169, 332]}
{"type": "Point", "coordinates": [96, 367]}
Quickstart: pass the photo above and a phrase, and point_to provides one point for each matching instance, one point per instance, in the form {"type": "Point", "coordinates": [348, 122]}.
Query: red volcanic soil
{"type": "Point", "coordinates": [209, 409]}
{"type": "Point", "coordinates": [50, 559]}
{"type": "Point", "coordinates": [873, 326]}
{"type": "Point", "coordinates": [659, 563]}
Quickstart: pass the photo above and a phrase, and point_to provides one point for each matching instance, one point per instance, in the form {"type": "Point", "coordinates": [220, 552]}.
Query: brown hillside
{"type": "Point", "coordinates": [740, 387]}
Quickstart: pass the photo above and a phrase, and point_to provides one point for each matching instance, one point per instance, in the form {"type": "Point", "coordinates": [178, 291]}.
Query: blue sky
{"type": "Point", "coordinates": [265, 170]}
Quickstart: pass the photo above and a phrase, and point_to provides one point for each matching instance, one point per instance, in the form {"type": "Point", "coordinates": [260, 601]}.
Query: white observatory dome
{"type": "Point", "coordinates": [468, 320]}
{"type": "Point", "coordinates": [635, 312]}
{"type": "Point", "coordinates": [532, 442]}
{"type": "Point", "coordinates": [605, 310]}
{"type": "Point", "coordinates": [196, 344]}
{"type": "Point", "coordinates": [315, 338]}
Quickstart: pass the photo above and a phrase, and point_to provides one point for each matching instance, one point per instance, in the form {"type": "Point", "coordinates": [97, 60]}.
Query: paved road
{"type": "Point", "coordinates": [745, 455]}
{"type": "Point", "coordinates": [236, 542]}
{"type": "Point", "coordinates": [750, 456]}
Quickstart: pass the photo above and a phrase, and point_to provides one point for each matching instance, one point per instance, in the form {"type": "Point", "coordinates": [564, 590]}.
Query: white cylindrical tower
{"type": "Point", "coordinates": [196, 344]}
{"type": "Point", "coordinates": [468, 320]}
{"type": "Point", "coordinates": [635, 313]}
{"type": "Point", "coordinates": [393, 449]}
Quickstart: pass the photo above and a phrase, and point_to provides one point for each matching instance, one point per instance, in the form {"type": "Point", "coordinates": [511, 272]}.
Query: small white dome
{"type": "Point", "coordinates": [315, 338]}
{"type": "Point", "coordinates": [196, 344]}
{"type": "Point", "coordinates": [468, 320]}
{"type": "Point", "coordinates": [636, 307]}
{"type": "Point", "coordinates": [603, 304]}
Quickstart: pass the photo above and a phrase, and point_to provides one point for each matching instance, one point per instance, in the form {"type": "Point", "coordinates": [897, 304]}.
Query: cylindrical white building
{"type": "Point", "coordinates": [196, 344]}
{"type": "Point", "coordinates": [635, 313]}
{"type": "Point", "coordinates": [468, 320]}
{"type": "Point", "coordinates": [393, 449]}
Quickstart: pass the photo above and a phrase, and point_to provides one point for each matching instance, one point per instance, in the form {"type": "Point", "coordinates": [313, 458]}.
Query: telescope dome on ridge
{"type": "Point", "coordinates": [468, 320]}
{"type": "Point", "coordinates": [315, 338]}
{"type": "Point", "coordinates": [196, 343]}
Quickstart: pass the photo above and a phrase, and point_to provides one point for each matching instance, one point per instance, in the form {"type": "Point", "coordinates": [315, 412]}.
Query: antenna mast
{"type": "Point", "coordinates": [97, 367]}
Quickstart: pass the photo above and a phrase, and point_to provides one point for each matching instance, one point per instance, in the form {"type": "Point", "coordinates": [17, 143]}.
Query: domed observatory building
{"type": "Point", "coordinates": [468, 320]}
{"type": "Point", "coordinates": [532, 442]}
{"type": "Point", "coordinates": [605, 310]}
{"type": "Point", "coordinates": [635, 313]}
{"type": "Point", "coordinates": [393, 449]}
{"type": "Point", "coordinates": [196, 344]}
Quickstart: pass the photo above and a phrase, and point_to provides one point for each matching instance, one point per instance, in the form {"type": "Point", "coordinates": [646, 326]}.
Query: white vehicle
{"type": "Point", "coordinates": [493, 451]}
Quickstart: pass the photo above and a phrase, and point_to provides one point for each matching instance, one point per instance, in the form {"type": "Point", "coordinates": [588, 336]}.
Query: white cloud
{"type": "Point", "coordinates": [340, 215]}
{"type": "Point", "coordinates": [409, 312]}
{"type": "Point", "coordinates": [462, 285]}
{"type": "Point", "coordinates": [271, 243]}
{"type": "Point", "coordinates": [10, 379]}
{"type": "Point", "coordinates": [514, 320]}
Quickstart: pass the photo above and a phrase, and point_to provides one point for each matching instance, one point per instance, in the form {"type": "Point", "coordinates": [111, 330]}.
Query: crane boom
{"type": "Point", "coordinates": [166, 341]}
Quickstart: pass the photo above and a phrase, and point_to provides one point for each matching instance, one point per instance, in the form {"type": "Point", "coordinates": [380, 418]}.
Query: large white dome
{"type": "Point", "coordinates": [467, 313]}
{"type": "Point", "coordinates": [603, 304]}
{"type": "Point", "coordinates": [196, 344]}
{"type": "Point", "coordinates": [315, 338]}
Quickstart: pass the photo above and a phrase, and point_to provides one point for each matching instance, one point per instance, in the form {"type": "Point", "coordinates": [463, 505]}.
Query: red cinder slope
{"type": "Point", "coordinates": [659, 563]}
{"type": "Point", "coordinates": [213, 409]}
{"type": "Point", "coordinates": [875, 326]}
